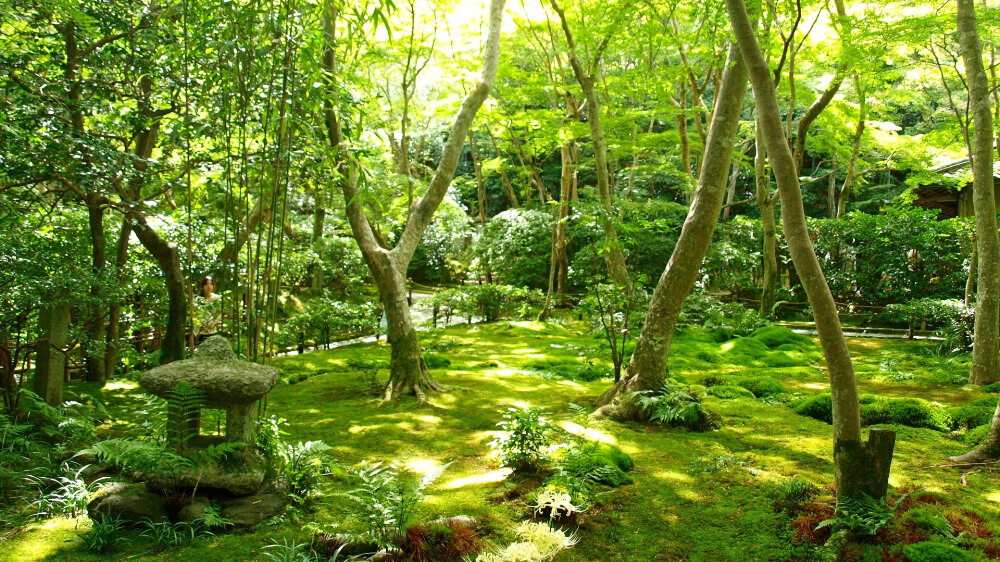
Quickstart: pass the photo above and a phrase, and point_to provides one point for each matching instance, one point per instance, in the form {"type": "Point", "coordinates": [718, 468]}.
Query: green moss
{"type": "Point", "coordinates": [743, 351]}
{"type": "Point", "coordinates": [875, 411]}
{"type": "Point", "coordinates": [914, 412]}
{"type": "Point", "coordinates": [977, 435]}
{"type": "Point", "coordinates": [762, 386]}
{"type": "Point", "coordinates": [776, 336]}
{"type": "Point", "coordinates": [975, 413]}
{"type": "Point", "coordinates": [992, 388]}
{"type": "Point", "coordinates": [818, 406]}
{"type": "Point", "coordinates": [937, 552]}
{"type": "Point", "coordinates": [779, 359]}
{"type": "Point", "coordinates": [729, 392]}
{"type": "Point", "coordinates": [435, 361]}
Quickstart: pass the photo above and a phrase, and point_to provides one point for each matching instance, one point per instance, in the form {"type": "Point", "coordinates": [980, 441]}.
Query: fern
{"type": "Point", "coordinates": [184, 405]}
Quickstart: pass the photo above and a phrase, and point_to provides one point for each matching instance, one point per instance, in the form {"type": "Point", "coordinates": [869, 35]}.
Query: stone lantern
{"type": "Point", "coordinates": [223, 382]}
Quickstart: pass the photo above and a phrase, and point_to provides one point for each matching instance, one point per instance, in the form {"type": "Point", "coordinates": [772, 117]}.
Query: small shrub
{"type": "Point", "coordinates": [525, 436]}
{"type": "Point", "coordinates": [762, 386]}
{"type": "Point", "coordinates": [729, 392]}
{"type": "Point", "coordinates": [434, 361]}
{"type": "Point", "coordinates": [863, 516]}
{"type": "Point", "coordinates": [914, 412]}
{"type": "Point", "coordinates": [932, 520]}
{"type": "Point", "coordinates": [791, 496]}
{"type": "Point", "coordinates": [165, 534]}
{"type": "Point", "coordinates": [977, 435]}
{"type": "Point", "coordinates": [677, 404]}
{"type": "Point", "coordinates": [818, 406]}
{"type": "Point", "coordinates": [604, 463]}
{"type": "Point", "coordinates": [975, 413]}
{"type": "Point", "coordinates": [776, 336]}
{"type": "Point", "coordinates": [936, 552]}
{"type": "Point", "coordinates": [104, 536]}
{"type": "Point", "coordinates": [440, 541]}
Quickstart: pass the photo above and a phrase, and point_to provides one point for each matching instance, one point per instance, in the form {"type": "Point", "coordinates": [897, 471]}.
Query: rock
{"type": "Point", "coordinates": [241, 481]}
{"type": "Point", "coordinates": [195, 509]}
{"type": "Point", "coordinates": [251, 510]}
{"type": "Point", "coordinates": [129, 502]}
{"type": "Point", "coordinates": [223, 379]}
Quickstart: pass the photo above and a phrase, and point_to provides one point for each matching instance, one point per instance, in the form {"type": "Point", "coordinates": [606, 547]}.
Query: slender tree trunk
{"type": "Point", "coordinates": [970, 281]}
{"type": "Point", "coordinates": [731, 193]}
{"type": "Point", "coordinates": [860, 468]}
{"type": "Point", "coordinates": [648, 365]}
{"type": "Point", "coordinates": [766, 202]}
{"type": "Point", "coordinates": [508, 188]}
{"type": "Point", "coordinates": [97, 329]}
{"type": "Point", "coordinates": [317, 282]}
{"type": "Point", "coordinates": [408, 372]}
{"type": "Point", "coordinates": [852, 165]}
{"type": "Point", "coordinates": [50, 358]}
{"type": "Point", "coordinates": [168, 257]}
{"type": "Point", "coordinates": [986, 345]}
{"type": "Point", "coordinates": [559, 213]}
{"type": "Point", "coordinates": [480, 184]}
{"type": "Point", "coordinates": [613, 255]}
{"type": "Point", "coordinates": [114, 310]}
{"type": "Point", "coordinates": [831, 191]}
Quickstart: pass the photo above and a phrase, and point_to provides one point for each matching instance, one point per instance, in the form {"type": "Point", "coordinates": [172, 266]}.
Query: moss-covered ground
{"type": "Point", "coordinates": [697, 496]}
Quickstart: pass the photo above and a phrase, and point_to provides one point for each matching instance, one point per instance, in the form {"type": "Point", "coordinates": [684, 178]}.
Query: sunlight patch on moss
{"type": "Point", "coordinates": [360, 429]}
{"type": "Point", "coordinates": [120, 384]}
{"type": "Point", "coordinates": [587, 433]}
{"type": "Point", "coordinates": [486, 478]}
{"type": "Point", "coordinates": [673, 476]}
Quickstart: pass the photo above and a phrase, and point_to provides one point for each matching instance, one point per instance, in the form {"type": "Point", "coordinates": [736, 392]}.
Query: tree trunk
{"type": "Point", "coordinates": [97, 329]}
{"type": "Point", "coordinates": [50, 357]}
{"type": "Point", "coordinates": [317, 281]}
{"type": "Point", "coordinates": [852, 165]}
{"type": "Point", "coordinates": [986, 345]}
{"type": "Point", "coordinates": [766, 202]}
{"type": "Point", "coordinates": [648, 366]}
{"type": "Point", "coordinates": [559, 212]}
{"type": "Point", "coordinates": [408, 373]}
{"type": "Point", "coordinates": [169, 260]}
{"type": "Point", "coordinates": [970, 281]}
{"type": "Point", "coordinates": [114, 310]}
{"type": "Point", "coordinates": [613, 255]}
{"type": "Point", "coordinates": [853, 475]}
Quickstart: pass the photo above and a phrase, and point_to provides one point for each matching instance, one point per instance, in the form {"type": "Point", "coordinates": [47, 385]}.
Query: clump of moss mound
{"type": "Point", "coordinates": [435, 361]}
{"type": "Point", "coordinates": [743, 351]}
{"type": "Point", "coordinates": [775, 337]}
{"type": "Point", "coordinates": [911, 412]}
{"type": "Point", "coordinates": [929, 551]}
{"type": "Point", "coordinates": [977, 435]}
{"type": "Point", "coordinates": [570, 369]}
{"type": "Point", "coordinates": [729, 392]}
{"type": "Point", "coordinates": [975, 413]}
{"type": "Point", "coordinates": [762, 386]}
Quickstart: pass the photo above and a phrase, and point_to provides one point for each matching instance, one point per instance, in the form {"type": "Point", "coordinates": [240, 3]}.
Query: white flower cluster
{"type": "Point", "coordinates": [538, 543]}
{"type": "Point", "coordinates": [559, 503]}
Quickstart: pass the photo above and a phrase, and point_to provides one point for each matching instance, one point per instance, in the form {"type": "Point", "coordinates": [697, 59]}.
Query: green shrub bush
{"type": "Point", "coordinates": [525, 436]}
{"type": "Point", "coordinates": [762, 386]}
{"type": "Point", "coordinates": [818, 406]}
{"type": "Point", "coordinates": [729, 392]}
{"type": "Point", "coordinates": [777, 336]}
{"type": "Point", "coordinates": [928, 551]}
{"type": "Point", "coordinates": [975, 413]}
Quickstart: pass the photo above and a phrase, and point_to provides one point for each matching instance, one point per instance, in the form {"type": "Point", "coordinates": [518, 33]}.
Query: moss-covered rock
{"type": "Point", "coordinates": [743, 351]}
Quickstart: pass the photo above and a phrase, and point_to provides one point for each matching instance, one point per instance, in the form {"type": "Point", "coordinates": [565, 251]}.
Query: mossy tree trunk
{"type": "Point", "coordinates": [984, 351]}
{"type": "Point", "coordinates": [766, 201]}
{"type": "Point", "coordinates": [986, 345]}
{"type": "Point", "coordinates": [648, 366]}
{"type": "Point", "coordinates": [854, 475]}
{"type": "Point", "coordinates": [408, 374]}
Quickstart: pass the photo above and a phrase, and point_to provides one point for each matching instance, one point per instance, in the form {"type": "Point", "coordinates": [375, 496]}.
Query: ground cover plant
{"type": "Point", "coordinates": [757, 486]}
